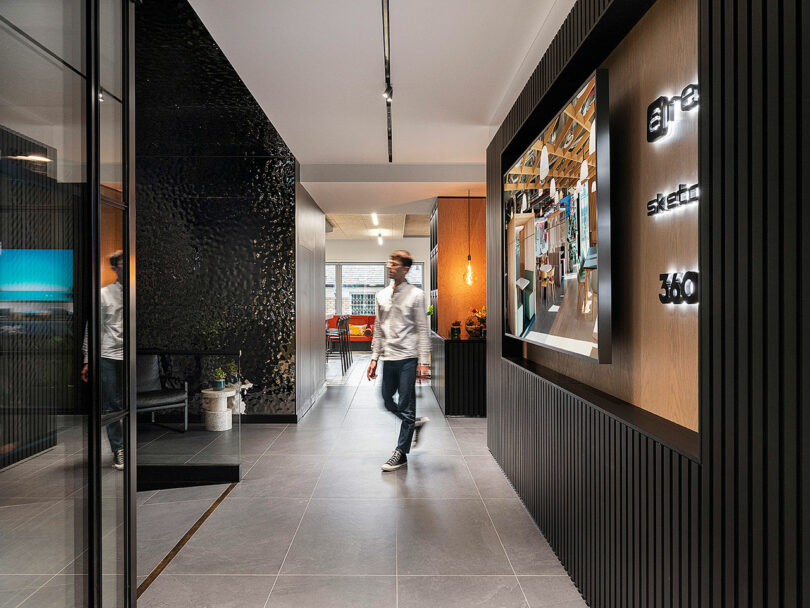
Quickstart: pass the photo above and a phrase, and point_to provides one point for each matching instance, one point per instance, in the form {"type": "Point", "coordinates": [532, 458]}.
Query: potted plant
{"type": "Point", "coordinates": [455, 330]}
{"type": "Point", "coordinates": [219, 379]}
{"type": "Point", "coordinates": [233, 372]}
{"type": "Point", "coordinates": [477, 322]}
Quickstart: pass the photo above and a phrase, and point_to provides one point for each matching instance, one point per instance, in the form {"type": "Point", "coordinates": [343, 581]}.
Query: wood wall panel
{"type": "Point", "coordinates": [456, 298]}
{"type": "Point", "coordinates": [655, 347]}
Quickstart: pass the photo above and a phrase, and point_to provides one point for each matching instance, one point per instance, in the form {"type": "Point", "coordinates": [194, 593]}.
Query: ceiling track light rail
{"type": "Point", "coordinates": [388, 94]}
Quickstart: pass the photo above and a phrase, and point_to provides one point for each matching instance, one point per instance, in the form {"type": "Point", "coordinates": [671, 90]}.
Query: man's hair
{"type": "Point", "coordinates": [403, 257]}
{"type": "Point", "coordinates": [115, 257]}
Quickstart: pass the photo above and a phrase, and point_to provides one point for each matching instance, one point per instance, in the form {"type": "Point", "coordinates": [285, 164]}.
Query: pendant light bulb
{"type": "Point", "coordinates": [468, 276]}
{"type": "Point", "coordinates": [379, 239]}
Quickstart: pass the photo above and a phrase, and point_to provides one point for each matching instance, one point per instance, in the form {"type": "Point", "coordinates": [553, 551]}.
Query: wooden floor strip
{"type": "Point", "coordinates": [182, 542]}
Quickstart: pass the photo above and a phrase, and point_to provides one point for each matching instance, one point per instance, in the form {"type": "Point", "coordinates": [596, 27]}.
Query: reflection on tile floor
{"type": "Point", "coordinates": [43, 506]}
{"type": "Point", "coordinates": [158, 444]}
{"type": "Point", "coordinates": [315, 522]}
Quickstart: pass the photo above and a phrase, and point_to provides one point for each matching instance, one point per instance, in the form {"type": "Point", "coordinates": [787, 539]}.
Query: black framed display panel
{"type": "Point", "coordinates": [539, 121]}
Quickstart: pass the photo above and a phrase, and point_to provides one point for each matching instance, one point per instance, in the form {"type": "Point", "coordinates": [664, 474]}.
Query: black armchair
{"type": "Point", "coordinates": [157, 392]}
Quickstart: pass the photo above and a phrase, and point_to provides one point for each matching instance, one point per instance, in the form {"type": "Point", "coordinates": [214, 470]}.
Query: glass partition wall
{"type": "Point", "coordinates": [66, 466]}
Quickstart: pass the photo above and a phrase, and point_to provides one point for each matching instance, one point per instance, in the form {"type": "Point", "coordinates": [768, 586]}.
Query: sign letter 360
{"type": "Point", "coordinates": [679, 288]}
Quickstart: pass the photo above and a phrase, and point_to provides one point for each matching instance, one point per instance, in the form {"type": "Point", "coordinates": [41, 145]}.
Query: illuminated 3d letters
{"type": "Point", "coordinates": [682, 196]}
{"type": "Point", "coordinates": [679, 288]}
{"type": "Point", "coordinates": [661, 112]}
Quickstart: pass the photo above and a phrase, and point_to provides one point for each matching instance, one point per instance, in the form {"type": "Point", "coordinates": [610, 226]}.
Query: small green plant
{"type": "Point", "coordinates": [231, 368]}
{"type": "Point", "coordinates": [219, 374]}
{"type": "Point", "coordinates": [456, 324]}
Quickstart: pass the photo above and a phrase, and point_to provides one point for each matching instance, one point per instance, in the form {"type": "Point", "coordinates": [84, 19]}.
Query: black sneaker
{"type": "Point", "coordinates": [420, 422]}
{"type": "Point", "coordinates": [118, 460]}
{"type": "Point", "coordinates": [397, 461]}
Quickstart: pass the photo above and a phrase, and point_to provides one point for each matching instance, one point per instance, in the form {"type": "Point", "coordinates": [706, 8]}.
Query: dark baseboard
{"type": "Point", "coordinates": [361, 347]}
{"type": "Point", "coordinates": [269, 419]}
{"type": "Point", "coordinates": [161, 477]}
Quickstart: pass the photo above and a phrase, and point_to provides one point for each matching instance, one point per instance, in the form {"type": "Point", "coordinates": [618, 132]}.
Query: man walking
{"type": "Point", "coordinates": [401, 341]}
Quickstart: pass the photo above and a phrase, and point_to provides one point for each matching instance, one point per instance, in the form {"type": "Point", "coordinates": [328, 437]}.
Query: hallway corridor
{"type": "Point", "coordinates": [316, 523]}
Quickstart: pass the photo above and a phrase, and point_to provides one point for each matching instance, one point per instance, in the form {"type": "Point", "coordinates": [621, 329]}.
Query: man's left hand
{"type": "Point", "coordinates": [422, 371]}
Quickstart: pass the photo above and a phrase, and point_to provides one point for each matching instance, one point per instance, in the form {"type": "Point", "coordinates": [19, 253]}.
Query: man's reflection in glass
{"type": "Point", "coordinates": [112, 355]}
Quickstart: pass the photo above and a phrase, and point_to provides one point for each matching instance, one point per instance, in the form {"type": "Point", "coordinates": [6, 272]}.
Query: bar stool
{"type": "Point", "coordinates": [346, 347]}
{"type": "Point", "coordinates": [335, 344]}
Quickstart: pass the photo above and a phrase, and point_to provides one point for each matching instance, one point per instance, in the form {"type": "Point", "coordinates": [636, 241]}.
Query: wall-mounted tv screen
{"type": "Point", "coordinates": [556, 202]}
{"type": "Point", "coordinates": [36, 275]}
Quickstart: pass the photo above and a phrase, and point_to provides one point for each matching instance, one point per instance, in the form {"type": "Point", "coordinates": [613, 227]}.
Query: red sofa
{"type": "Point", "coordinates": [367, 320]}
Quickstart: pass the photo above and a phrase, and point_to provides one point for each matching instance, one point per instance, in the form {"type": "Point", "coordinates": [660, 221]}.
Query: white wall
{"type": "Point", "coordinates": [346, 250]}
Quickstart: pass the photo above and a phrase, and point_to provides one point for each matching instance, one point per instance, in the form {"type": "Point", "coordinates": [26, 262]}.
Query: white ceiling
{"type": "Point", "coordinates": [316, 68]}
{"type": "Point", "coordinates": [360, 226]}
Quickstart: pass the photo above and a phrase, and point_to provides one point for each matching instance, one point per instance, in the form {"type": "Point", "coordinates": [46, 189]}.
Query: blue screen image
{"type": "Point", "coordinates": [36, 275]}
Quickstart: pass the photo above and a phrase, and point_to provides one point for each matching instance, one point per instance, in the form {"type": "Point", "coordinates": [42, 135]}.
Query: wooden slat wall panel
{"type": "Point", "coordinates": [754, 342]}
{"type": "Point", "coordinates": [615, 505]}
{"type": "Point", "coordinates": [734, 529]}
{"type": "Point", "coordinates": [465, 378]}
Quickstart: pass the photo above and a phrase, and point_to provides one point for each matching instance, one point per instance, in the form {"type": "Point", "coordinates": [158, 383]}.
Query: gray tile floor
{"type": "Point", "coordinates": [315, 522]}
{"type": "Point", "coordinates": [43, 504]}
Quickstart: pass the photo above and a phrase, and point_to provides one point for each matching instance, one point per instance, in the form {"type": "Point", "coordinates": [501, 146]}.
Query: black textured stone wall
{"type": "Point", "coordinates": [215, 208]}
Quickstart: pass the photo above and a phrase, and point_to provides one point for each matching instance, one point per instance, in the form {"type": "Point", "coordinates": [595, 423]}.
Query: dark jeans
{"type": "Point", "coordinates": [400, 376]}
{"type": "Point", "coordinates": [111, 370]}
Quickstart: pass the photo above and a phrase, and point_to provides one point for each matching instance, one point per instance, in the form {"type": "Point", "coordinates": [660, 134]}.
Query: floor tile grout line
{"type": "Point", "coordinates": [172, 502]}
{"type": "Point", "coordinates": [140, 447]}
{"type": "Point", "coordinates": [201, 450]}
{"type": "Point", "coordinates": [42, 586]}
{"type": "Point", "coordinates": [309, 502]}
{"type": "Point", "coordinates": [286, 426]}
{"type": "Point", "coordinates": [298, 527]}
{"type": "Point", "coordinates": [331, 575]}
{"type": "Point", "coordinates": [396, 553]}
{"type": "Point", "coordinates": [158, 570]}
{"type": "Point", "coordinates": [492, 522]}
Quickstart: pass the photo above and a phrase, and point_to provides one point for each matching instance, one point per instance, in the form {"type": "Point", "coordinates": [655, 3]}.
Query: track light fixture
{"type": "Point", "coordinates": [388, 94]}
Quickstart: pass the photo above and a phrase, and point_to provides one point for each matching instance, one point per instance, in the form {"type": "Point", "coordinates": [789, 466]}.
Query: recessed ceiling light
{"type": "Point", "coordinates": [374, 219]}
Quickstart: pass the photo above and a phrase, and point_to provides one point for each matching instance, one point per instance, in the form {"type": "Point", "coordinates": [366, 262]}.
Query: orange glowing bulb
{"type": "Point", "coordinates": [469, 277]}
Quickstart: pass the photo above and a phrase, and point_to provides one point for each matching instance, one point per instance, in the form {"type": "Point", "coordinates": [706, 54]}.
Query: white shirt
{"type": "Point", "coordinates": [111, 301]}
{"type": "Point", "coordinates": [400, 328]}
